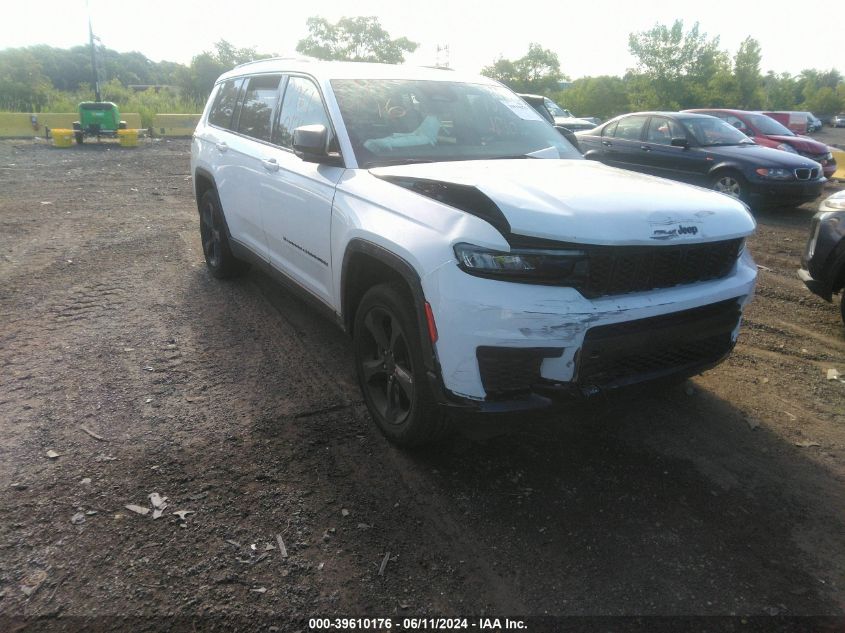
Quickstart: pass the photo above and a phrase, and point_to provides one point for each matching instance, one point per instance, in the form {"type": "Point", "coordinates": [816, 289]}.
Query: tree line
{"type": "Point", "coordinates": [676, 68]}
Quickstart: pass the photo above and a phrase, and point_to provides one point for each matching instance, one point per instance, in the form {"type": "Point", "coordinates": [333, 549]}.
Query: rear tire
{"type": "Point", "coordinates": [391, 373]}
{"type": "Point", "coordinates": [215, 239]}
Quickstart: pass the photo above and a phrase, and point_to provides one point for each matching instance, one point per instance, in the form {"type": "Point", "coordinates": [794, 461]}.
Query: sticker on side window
{"type": "Point", "coordinates": [521, 109]}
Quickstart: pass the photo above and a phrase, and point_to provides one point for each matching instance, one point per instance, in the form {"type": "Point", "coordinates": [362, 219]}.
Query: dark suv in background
{"type": "Point", "coordinates": [823, 262]}
{"type": "Point", "coordinates": [706, 151]}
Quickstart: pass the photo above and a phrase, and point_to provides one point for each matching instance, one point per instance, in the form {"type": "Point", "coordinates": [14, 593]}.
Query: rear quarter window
{"type": "Point", "coordinates": [224, 104]}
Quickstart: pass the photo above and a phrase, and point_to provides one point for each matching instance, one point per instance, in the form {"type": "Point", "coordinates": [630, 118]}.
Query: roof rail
{"type": "Point", "coordinates": [274, 59]}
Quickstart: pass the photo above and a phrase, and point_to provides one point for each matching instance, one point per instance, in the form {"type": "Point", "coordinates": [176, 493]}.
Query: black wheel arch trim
{"type": "Point", "coordinates": [201, 171]}
{"type": "Point", "coordinates": [412, 279]}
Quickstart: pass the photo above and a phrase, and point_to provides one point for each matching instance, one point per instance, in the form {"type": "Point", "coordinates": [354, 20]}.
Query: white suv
{"type": "Point", "coordinates": [477, 260]}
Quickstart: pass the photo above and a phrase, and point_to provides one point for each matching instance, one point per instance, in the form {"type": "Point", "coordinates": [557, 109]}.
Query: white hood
{"type": "Point", "coordinates": [583, 201]}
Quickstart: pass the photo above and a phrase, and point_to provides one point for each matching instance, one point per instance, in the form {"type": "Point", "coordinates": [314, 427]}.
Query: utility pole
{"type": "Point", "coordinates": [96, 75]}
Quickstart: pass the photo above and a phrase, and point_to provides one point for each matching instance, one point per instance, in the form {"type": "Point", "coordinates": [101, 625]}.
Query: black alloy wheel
{"type": "Point", "coordinates": [215, 242]}
{"type": "Point", "coordinates": [391, 373]}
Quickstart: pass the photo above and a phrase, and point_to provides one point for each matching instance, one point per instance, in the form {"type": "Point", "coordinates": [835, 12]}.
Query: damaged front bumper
{"type": "Point", "coordinates": [508, 347]}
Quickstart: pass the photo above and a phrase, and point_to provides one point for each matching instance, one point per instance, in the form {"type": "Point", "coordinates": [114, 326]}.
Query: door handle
{"type": "Point", "coordinates": [645, 148]}
{"type": "Point", "coordinates": [221, 146]}
{"type": "Point", "coordinates": [606, 143]}
{"type": "Point", "coordinates": [270, 164]}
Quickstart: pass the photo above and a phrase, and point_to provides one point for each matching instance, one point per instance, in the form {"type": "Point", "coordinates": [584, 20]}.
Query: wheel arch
{"type": "Point", "coordinates": [365, 265]}
{"type": "Point", "coordinates": [723, 167]}
{"type": "Point", "coordinates": [203, 181]}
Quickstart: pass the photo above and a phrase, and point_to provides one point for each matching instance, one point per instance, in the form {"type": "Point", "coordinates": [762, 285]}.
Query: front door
{"type": "Point", "coordinates": [297, 196]}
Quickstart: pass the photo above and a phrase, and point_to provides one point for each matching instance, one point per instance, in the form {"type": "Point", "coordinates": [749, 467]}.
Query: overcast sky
{"type": "Point", "coordinates": [590, 38]}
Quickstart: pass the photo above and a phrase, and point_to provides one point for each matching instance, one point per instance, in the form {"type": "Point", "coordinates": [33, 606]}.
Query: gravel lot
{"type": "Point", "coordinates": [238, 403]}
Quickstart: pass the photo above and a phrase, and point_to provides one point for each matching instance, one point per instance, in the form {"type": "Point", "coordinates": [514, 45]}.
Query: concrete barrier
{"type": "Point", "coordinates": [175, 124]}
{"type": "Point", "coordinates": [20, 124]}
{"type": "Point", "coordinates": [839, 156]}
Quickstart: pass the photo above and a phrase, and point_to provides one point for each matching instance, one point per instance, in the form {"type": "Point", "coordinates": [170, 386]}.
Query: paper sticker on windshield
{"type": "Point", "coordinates": [522, 110]}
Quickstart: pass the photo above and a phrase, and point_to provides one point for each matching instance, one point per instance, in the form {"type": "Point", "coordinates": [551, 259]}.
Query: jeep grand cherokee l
{"type": "Point", "coordinates": [476, 260]}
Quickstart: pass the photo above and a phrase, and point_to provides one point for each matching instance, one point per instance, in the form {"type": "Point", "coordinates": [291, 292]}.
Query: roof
{"type": "Point", "coordinates": [352, 70]}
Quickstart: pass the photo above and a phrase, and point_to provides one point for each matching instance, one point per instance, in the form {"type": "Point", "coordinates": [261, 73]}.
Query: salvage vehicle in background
{"type": "Point", "coordinates": [560, 116]}
{"type": "Point", "coordinates": [795, 122]}
{"type": "Point", "coordinates": [767, 132]}
{"type": "Point", "coordinates": [823, 262]}
{"type": "Point", "coordinates": [536, 102]}
{"type": "Point", "coordinates": [814, 123]}
{"type": "Point", "coordinates": [838, 121]}
{"type": "Point", "coordinates": [706, 151]}
{"type": "Point", "coordinates": [479, 263]}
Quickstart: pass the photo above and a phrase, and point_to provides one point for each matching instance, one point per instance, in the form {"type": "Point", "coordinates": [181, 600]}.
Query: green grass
{"type": "Point", "coordinates": [147, 103]}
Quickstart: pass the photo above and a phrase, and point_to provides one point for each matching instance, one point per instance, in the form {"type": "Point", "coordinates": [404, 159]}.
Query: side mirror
{"type": "Point", "coordinates": [310, 143]}
{"type": "Point", "coordinates": [679, 142]}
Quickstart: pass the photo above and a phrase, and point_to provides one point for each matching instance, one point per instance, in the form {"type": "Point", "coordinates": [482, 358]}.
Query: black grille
{"type": "Point", "coordinates": [508, 371]}
{"type": "Point", "coordinates": [633, 351]}
{"type": "Point", "coordinates": [623, 269]}
{"type": "Point", "coordinates": [806, 173]}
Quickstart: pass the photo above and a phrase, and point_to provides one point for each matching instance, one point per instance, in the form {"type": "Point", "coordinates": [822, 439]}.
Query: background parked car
{"type": "Point", "coordinates": [560, 116]}
{"type": "Point", "coordinates": [795, 122]}
{"type": "Point", "coordinates": [814, 123]}
{"type": "Point", "coordinates": [703, 150]}
{"type": "Point", "coordinates": [823, 262]}
{"type": "Point", "coordinates": [536, 102]}
{"type": "Point", "coordinates": [838, 121]}
{"type": "Point", "coordinates": [769, 133]}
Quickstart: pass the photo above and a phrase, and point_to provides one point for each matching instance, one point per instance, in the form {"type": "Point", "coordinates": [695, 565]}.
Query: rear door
{"type": "Point", "coordinates": [232, 166]}
{"type": "Point", "coordinates": [297, 196]}
{"type": "Point", "coordinates": [624, 147]}
{"type": "Point", "coordinates": [246, 149]}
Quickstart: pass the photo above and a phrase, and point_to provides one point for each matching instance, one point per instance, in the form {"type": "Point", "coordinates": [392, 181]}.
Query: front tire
{"type": "Point", "coordinates": [215, 239]}
{"type": "Point", "coordinates": [391, 373]}
{"type": "Point", "coordinates": [730, 183]}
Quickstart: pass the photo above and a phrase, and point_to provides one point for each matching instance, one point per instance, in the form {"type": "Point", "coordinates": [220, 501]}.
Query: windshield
{"type": "Point", "coordinates": [768, 126]}
{"type": "Point", "coordinates": [396, 121]}
{"type": "Point", "coordinates": [710, 132]}
{"type": "Point", "coordinates": [556, 110]}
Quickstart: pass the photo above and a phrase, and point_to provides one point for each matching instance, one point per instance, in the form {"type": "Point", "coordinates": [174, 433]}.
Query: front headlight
{"type": "Point", "coordinates": [525, 265]}
{"type": "Point", "coordinates": [786, 147]}
{"type": "Point", "coordinates": [774, 174]}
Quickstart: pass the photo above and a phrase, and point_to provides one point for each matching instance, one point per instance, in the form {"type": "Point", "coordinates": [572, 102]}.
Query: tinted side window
{"type": "Point", "coordinates": [224, 104]}
{"type": "Point", "coordinates": [630, 128]}
{"type": "Point", "coordinates": [736, 122]}
{"type": "Point", "coordinates": [662, 131]}
{"type": "Point", "coordinates": [258, 105]}
{"type": "Point", "coordinates": [609, 129]}
{"type": "Point", "coordinates": [302, 105]}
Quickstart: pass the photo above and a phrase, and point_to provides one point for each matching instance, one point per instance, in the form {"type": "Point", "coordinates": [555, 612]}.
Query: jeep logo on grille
{"type": "Point", "coordinates": [666, 227]}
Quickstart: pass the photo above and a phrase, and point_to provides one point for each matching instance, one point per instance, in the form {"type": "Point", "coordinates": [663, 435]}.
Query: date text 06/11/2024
{"type": "Point", "coordinates": [417, 624]}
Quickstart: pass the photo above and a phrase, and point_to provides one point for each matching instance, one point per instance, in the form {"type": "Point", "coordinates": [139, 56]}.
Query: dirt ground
{"type": "Point", "coordinates": [238, 403]}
